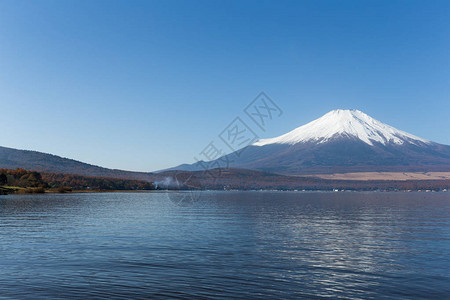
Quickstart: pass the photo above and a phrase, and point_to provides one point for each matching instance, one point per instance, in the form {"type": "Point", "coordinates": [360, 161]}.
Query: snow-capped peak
{"type": "Point", "coordinates": [344, 122]}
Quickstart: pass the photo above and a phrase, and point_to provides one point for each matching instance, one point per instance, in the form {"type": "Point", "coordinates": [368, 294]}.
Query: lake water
{"type": "Point", "coordinates": [225, 245]}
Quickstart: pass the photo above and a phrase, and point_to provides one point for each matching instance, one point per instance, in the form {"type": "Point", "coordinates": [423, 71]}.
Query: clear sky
{"type": "Point", "coordinates": [145, 85]}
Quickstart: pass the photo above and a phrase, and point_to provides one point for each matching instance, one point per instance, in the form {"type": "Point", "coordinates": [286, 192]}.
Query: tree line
{"type": "Point", "coordinates": [21, 179]}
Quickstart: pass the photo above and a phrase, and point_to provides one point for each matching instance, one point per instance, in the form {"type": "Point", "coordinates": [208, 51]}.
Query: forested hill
{"type": "Point", "coordinates": [21, 180]}
{"type": "Point", "coordinates": [43, 162]}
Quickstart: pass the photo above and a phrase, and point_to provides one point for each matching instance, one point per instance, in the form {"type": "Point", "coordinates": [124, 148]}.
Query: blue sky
{"type": "Point", "coordinates": [145, 85]}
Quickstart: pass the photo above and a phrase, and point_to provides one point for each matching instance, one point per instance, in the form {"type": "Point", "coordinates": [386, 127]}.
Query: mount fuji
{"type": "Point", "coordinates": [338, 142]}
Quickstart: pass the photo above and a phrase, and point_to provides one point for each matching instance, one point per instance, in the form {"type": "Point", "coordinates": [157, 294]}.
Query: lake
{"type": "Point", "coordinates": [225, 245]}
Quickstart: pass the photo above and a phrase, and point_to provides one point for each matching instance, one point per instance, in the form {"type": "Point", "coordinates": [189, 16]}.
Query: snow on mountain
{"type": "Point", "coordinates": [344, 122]}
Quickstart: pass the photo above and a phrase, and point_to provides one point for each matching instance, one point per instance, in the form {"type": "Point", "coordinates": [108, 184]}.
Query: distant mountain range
{"type": "Point", "coordinates": [340, 141]}
{"type": "Point", "coordinates": [43, 162]}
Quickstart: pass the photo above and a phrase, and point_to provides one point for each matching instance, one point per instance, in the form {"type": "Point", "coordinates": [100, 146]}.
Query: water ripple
{"type": "Point", "coordinates": [236, 245]}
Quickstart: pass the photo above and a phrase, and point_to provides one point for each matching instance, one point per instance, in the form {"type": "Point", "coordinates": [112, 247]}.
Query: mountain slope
{"type": "Point", "coordinates": [341, 141]}
{"type": "Point", "coordinates": [43, 162]}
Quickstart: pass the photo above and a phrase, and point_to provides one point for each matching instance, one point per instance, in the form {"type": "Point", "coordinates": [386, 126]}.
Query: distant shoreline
{"type": "Point", "coordinates": [385, 176]}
